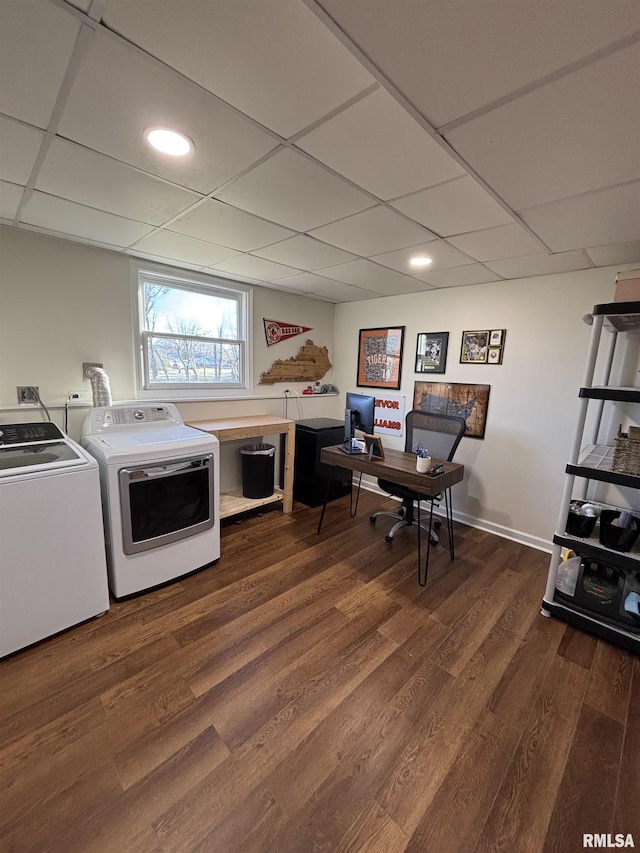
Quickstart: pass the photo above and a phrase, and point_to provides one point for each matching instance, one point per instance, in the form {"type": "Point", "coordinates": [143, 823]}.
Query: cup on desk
{"type": "Point", "coordinates": [423, 463]}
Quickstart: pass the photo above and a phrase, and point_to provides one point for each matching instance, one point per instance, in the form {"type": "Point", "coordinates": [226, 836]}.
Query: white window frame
{"type": "Point", "coordinates": [199, 283]}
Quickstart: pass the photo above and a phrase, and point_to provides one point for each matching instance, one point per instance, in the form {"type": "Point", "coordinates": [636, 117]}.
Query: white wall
{"type": "Point", "coordinates": [62, 304]}
{"type": "Point", "coordinates": [514, 476]}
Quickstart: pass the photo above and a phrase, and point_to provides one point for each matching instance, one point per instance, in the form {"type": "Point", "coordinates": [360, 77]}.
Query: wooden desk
{"type": "Point", "coordinates": [254, 426]}
{"type": "Point", "coordinates": [399, 467]}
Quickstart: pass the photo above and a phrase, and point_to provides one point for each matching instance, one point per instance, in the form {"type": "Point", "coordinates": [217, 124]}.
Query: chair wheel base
{"type": "Point", "coordinates": [372, 519]}
{"type": "Point", "coordinates": [388, 538]}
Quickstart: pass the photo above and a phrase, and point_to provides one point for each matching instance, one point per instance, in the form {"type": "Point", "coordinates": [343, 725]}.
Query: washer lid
{"type": "Point", "coordinates": [45, 456]}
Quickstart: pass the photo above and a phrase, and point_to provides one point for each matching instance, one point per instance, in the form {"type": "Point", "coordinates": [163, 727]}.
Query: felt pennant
{"type": "Point", "coordinates": [276, 331]}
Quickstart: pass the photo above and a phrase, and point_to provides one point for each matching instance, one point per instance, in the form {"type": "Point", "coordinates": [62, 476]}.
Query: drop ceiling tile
{"type": "Point", "coordinates": [305, 253]}
{"type": "Point", "coordinates": [36, 44]}
{"type": "Point", "coordinates": [245, 279]}
{"type": "Point", "coordinates": [72, 238]}
{"type": "Point", "coordinates": [594, 219]}
{"type": "Point", "coordinates": [305, 281]}
{"type": "Point", "coordinates": [323, 288]}
{"type": "Point", "coordinates": [19, 146]}
{"type": "Point", "coordinates": [273, 61]}
{"type": "Point", "coordinates": [576, 134]}
{"type": "Point", "coordinates": [166, 260]}
{"type": "Point", "coordinates": [448, 63]}
{"type": "Point", "coordinates": [341, 292]}
{"type": "Point", "coordinates": [67, 217]}
{"type": "Point", "coordinates": [72, 172]}
{"type": "Point", "coordinates": [454, 207]}
{"type": "Point", "coordinates": [379, 146]}
{"type": "Point", "coordinates": [399, 286]}
{"type": "Point", "coordinates": [505, 241]}
{"type": "Point", "coordinates": [98, 117]}
{"type": "Point", "coordinates": [275, 285]}
{"type": "Point", "coordinates": [10, 198]}
{"type": "Point", "coordinates": [220, 223]}
{"type": "Point", "coordinates": [615, 253]}
{"type": "Point", "coordinates": [442, 254]}
{"type": "Point", "coordinates": [293, 191]}
{"type": "Point", "coordinates": [372, 232]}
{"type": "Point", "coordinates": [181, 248]}
{"type": "Point", "coordinates": [459, 276]}
{"type": "Point", "coordinates": [331, 300]}
{"type": "Point", "coordinates": [362, 273]}
{"type": "Point", "coordinates": [540, 264]}
{"type": "Point", "coordinates": [346, 293]}
{"type": "Point", "coordinates": [256, 268]}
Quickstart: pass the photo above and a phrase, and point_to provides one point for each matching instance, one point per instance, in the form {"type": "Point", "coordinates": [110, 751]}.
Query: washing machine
{"type": "Point", "coordinates": [53, 570]}
{"type": "Point", "coordinates": [160, 483]}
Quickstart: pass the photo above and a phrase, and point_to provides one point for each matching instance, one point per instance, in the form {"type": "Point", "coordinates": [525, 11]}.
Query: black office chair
{"type": "Point", "coordinates": [440, 435]}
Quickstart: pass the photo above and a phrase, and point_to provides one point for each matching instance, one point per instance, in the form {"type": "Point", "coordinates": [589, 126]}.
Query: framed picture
{"type": "Point", "coordinates": [374, 446]}
{"type": "Point", "coordinates": [380, 357]}
{"type": "Point", "coordinates": [431, 352]}
{"type": "Point", "coordinates": [474, 347]}
{"type": "Point", "coordinates": [470, 402]}
{"type": "Point", "coordinates": [496, 346]}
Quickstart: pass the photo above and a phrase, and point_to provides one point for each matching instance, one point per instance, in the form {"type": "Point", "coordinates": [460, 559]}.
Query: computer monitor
{"type": "Point", "coordinates": [359, 414]}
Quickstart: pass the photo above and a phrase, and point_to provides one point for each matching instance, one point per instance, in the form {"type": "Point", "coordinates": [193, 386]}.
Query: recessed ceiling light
{"type": "Point", "coordinates": [421, 261]}
{"type": "Point", "coordinates": [169, 141]}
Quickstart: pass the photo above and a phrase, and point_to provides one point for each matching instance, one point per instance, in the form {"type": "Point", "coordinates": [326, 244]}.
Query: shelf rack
{"type": "Point", "coordinates": [593, 461]}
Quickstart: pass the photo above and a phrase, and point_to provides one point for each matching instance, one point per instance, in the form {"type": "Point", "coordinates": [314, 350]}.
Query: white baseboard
{"type": "Point", "coordinates": [480, 524]}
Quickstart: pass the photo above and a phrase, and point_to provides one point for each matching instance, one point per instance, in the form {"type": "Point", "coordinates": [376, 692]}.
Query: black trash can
{"type": "Point", "coordinates": [258, 466]}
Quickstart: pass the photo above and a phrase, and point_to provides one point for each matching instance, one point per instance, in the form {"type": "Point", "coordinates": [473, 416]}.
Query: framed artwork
{"type": "Point", "coordinates": [431, 352]}
{"type": "Point", "coordinates": [496, 346]}
{"type": "Point", "coordinates": [470, 402]}
{"type": "Point", "coordinates": [374, 446]}
{"type": "Point", "coordinates": [474, 347]}
{"type": "Point", "coordinates": [485, 346]}
{"type": "Point", "coordinates": [380, 357]}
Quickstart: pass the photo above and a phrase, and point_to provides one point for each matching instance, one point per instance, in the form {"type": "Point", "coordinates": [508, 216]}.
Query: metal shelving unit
{"type": "Point", "coordinates": [600, 614]}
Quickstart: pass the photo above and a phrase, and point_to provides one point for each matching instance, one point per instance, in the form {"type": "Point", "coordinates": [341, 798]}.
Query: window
{"type": "Point", "coordinates": [192, 333]}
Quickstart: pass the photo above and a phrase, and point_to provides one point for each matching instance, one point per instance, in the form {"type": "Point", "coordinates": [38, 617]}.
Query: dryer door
{"type": "Point", "coordinates": [165, 502]}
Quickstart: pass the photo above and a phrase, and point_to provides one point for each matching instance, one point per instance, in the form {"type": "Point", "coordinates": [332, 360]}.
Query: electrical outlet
{"type": "Point", "coordinates": [86, 364]}
{"type": "Point", "coordinates": [28, 395]}
{"type": "Point", "coordinates": [82, 396]}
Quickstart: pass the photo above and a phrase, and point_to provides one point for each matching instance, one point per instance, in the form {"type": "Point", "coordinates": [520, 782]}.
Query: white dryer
{"type": "Point", "coordinates": [53, 571]}
{"type": "Point", "coordinates": [160, 485]}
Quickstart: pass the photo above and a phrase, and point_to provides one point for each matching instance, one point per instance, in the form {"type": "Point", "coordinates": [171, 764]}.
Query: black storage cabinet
{"type": "Point", "coordinates": [310, 475]}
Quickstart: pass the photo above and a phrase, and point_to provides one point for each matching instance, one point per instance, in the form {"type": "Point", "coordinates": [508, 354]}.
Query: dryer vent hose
{"type": "Point", "coordinates": [99, 386]}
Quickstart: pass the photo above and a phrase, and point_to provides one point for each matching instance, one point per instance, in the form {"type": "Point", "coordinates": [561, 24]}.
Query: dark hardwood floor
{"type": "Point", "coordinates": [305, 694]}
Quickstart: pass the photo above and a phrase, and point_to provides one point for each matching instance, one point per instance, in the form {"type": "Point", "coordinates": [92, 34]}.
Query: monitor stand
{"type": "Point", "coordinates": [347, 446]}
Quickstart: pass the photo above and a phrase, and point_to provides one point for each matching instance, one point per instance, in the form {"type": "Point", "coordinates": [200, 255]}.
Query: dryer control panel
{"type": "Point", "coordinates": [107, 418]}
